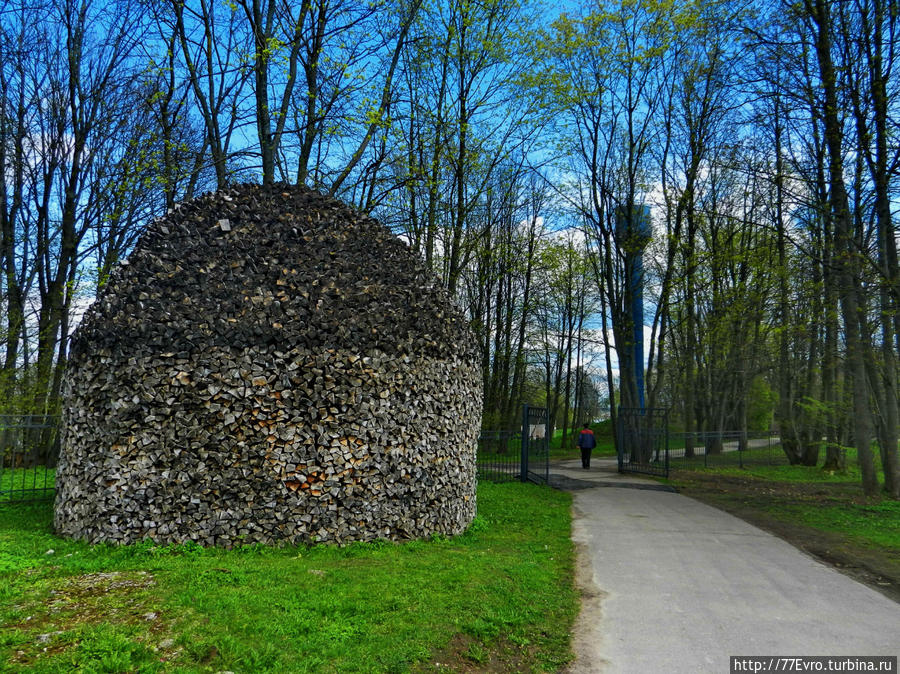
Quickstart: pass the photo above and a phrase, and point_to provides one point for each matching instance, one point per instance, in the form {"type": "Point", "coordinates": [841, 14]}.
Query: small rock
{"type": "Point", "coordinates": [51, 551]}
{"type": "Point", "coordinates": [167, 643]}
{"type": "Point", "coordinates": [153, 615]}
{"type": "Point", "coordinates": [44, 638]}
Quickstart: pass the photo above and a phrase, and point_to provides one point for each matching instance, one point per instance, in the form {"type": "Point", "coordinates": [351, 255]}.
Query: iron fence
{"type": "Point", "coordinates": [725, 448]}
{"type": "Point", "coordinates": [29, 450]}
{"type": "Point", "coordinates": [643, 441]}
{"type": "Point", "coordinates": [499, 456]}
{"type": "Point", "coordinates": [504, 456]}
{"type": "Point", "coordinates": [535, 445]}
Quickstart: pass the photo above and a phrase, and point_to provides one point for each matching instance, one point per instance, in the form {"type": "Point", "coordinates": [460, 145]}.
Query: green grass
{"type": "Point", "coordinates": [25, 483]}
{"type": "Point", "coordinates": [768, 457]}
{"type": "Point", "coordinates": [777, 469]}
{"type": "Point", "coordinates": [786, 473]}
{"type": "Point", "coordinates": [874, 525]}
{"type": "Point", "coordinates": [503, 590]}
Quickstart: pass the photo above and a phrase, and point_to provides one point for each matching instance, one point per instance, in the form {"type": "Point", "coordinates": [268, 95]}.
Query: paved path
{"type": "Point", "coordinates": [672, 585]}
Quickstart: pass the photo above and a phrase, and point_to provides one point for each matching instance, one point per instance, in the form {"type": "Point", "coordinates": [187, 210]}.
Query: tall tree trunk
{"type": "Point", "coordinates": [787, 428]}
{"type": "Point", "coordinates": [848, 262]}
{"type": "Point", "coordinates": [690, 353]}
{"type": "Point", "coordinates": [518, 383]}
{"type": "Point", "coordinates": [887, 255]}
{"type": "Point", "coordinates": [13, 169]}
{"type": "Point", "coordinates": [610, 382]}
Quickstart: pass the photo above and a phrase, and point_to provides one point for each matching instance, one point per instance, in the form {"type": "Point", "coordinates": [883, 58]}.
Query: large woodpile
{"type": "Point", "coordinates": [269, 365]}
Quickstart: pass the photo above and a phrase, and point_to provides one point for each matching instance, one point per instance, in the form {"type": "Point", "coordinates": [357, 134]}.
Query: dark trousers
{"type": "Point", "coordinates": [585, 457]}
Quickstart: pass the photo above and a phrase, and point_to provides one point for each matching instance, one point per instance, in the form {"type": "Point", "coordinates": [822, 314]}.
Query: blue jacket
{"type": "Point", "coordinates": [586, 439]}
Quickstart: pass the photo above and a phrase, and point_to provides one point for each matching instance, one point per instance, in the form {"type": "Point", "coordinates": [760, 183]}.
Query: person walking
{"type": "Point", "coordinates": [586, 442]}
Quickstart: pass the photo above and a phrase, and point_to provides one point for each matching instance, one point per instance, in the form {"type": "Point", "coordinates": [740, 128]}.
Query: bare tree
{"type": "Point", "coordinates": [210, 47]}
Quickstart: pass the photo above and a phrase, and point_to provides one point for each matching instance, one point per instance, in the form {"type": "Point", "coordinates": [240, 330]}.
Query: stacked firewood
{"type": "Point", "coordinates": [269, 365]}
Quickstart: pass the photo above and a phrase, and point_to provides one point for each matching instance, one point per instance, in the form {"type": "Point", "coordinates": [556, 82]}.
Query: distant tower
{"type": "Point", "coordinates": [634, 234]}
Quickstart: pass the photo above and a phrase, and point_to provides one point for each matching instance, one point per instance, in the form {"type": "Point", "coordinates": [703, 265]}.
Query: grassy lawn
{"type": "Point", "coordinates": [824, 513]}
{"type": "Point", "coordinates": [499, 597]}
{"type": "Point", "coordinates": [770, 455]}
{"type": "Point", "coordinates": [26, 483]}
{"type": "Point", "coordinates": [875, 525]}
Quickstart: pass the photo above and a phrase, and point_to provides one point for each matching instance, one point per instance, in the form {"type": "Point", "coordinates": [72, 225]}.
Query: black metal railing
{"type": "Point", "coordinates": [523, 454]}
{"type": "Point", "coordinates": [29, 450]}
{"type": "Point", "coordinates": [535, 445]}
{"type": "Point", "coordinates": [725, 448]}
{"type": "Point", "coordinates": [499, 456]}
{"type": "Point", "coordinates": [643, 441]}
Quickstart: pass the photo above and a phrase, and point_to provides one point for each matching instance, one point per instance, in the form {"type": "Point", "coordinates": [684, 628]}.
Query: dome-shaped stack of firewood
{"type": "Point", "coordinates": [269, 365]}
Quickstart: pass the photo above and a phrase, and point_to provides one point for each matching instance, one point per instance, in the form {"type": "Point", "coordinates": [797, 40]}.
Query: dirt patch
{"type": "Point", "coordinates": [585, 640]}
{"type": "Point", "coordinates": [53, 620]}
{"type": "Point", "coordinates": [465, 653]}
{"type": "Point", "coordinates": [752, 500]}
{"type": "Point", "coordinates": [86, 599]}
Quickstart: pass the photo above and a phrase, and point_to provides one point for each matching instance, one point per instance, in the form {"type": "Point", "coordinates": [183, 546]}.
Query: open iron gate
{"type": "Point", "coordinates": [535, 445]}
{"type": "Point", "coordinates": [643, 441]}
{"type": "Point", "coordinates": [29, 450]}
{"type": "Point", "coordinates": [522, 454]}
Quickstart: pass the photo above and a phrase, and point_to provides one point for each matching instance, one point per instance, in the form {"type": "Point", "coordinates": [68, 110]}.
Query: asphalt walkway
{"type": "Point", "coordinates": [672, 585]}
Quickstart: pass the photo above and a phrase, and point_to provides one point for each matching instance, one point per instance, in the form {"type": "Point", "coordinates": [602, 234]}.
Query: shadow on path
{"type": "Point", "coordinates": [567, 483]}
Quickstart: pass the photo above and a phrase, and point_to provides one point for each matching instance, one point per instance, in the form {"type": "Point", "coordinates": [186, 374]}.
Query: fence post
{"type": "Point", "coordinates": [620, 439]}
{"type": "Point", "coordinates": [666, 423]}
{"type": "Point", "coordinates": [769, 459]}
{"type": "Point", "coordinates": [523, 463]}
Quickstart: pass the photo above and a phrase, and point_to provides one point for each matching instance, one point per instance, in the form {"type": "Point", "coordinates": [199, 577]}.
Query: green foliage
{"type": "Point", "coordinates": [378, 606]}
{"type": "Point", "coordinates": [107, 649]}
{"type": "Point", "coordinates": [761, 400]}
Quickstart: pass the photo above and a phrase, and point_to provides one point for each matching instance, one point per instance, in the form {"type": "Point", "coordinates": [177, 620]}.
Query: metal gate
{"type": "Point", "coordinates": [499, 456]}
{"type": "Point", "coordinates": [522, 454]}
{"type": "Point", "coordinates": [29, 449]}
{"type": "Point", "coordinates": [535, 445]}
{"type": "Point", "coordinates": [643, 441]}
